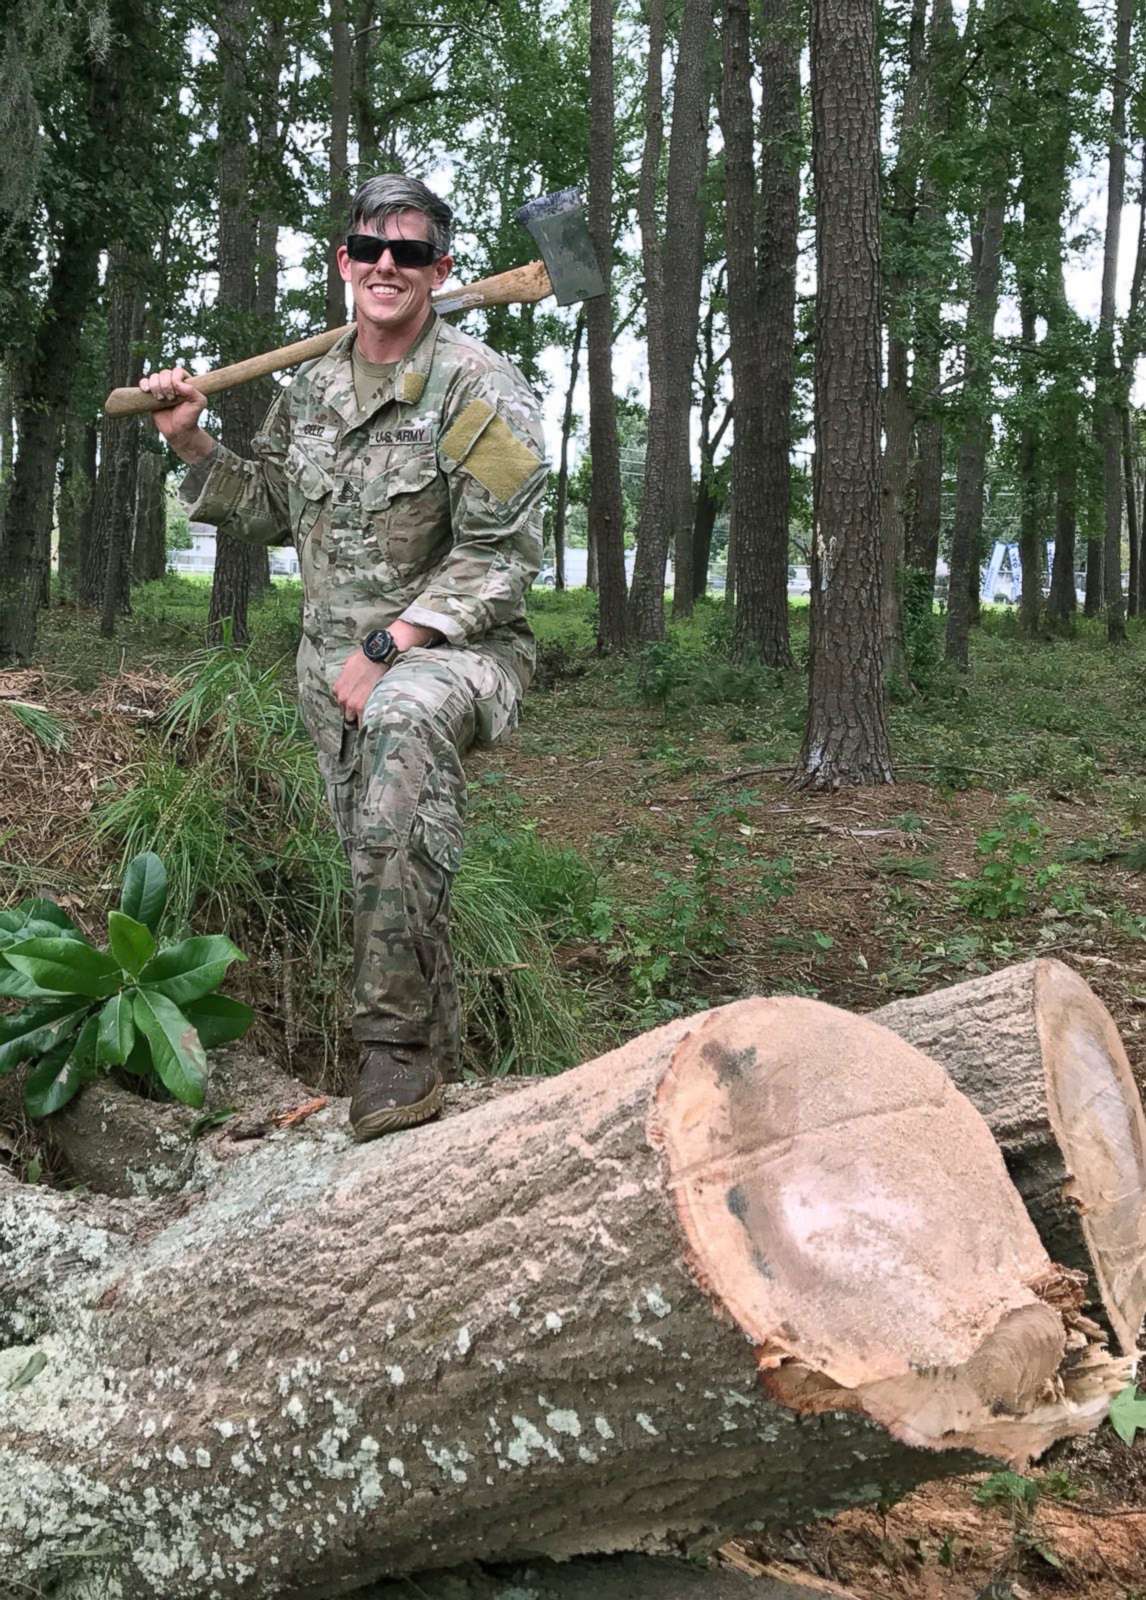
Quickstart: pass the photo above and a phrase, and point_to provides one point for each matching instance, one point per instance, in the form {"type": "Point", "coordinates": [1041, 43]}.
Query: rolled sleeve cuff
{"type": "Point", "coordinates": [216, 483]}
{"type": "Point", "coordinates": [420, 616]}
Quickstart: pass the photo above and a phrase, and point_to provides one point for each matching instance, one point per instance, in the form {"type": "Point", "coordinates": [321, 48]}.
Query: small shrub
{"type": "Point", "coordinates": [1015, 870]}
{"type": "Point", "coordinates": [145, 1009]}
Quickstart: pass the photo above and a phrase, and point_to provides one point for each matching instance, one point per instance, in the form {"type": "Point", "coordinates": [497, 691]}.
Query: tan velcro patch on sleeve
{"type": "Point", "coordinates": [465, 429]}
{"type": "Point", "coordinates": [500, 461]}
{"type": "Point", "coordinates": [412, 385]}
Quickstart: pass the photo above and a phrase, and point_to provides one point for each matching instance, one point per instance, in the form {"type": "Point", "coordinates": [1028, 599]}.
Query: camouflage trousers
{"type": "Point", "coordinates": [398, 794]}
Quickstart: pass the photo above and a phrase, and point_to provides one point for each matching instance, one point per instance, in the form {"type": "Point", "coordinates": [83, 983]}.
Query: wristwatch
{"type": "Point", "coordinates": [379, 647]}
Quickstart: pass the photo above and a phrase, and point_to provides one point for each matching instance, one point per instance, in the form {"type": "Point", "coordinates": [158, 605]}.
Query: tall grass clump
{"type": "Point", "coordinates": [233, 801]}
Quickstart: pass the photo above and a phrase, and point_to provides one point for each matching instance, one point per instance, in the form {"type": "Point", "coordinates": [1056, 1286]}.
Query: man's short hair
{"type": "Point", "coordinates": [391, 192]}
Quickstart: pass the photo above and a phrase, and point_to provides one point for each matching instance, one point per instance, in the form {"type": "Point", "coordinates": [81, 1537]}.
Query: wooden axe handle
{"type": "Point", "coordinates": [517, 287]}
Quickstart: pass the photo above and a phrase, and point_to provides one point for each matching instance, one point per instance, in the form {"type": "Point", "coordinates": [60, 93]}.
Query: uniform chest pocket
{"type": "Point", "coordinates": [406, 507]}
{"type": "Point", "coordinates": [309, 485]}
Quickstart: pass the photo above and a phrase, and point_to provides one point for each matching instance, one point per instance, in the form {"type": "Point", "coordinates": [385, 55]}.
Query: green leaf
{"type": "Point", "coordinates": [145, 890]}
{"type": "Point", "coordinates": [139, 1061]}
{"type": "Point", "coordinates": [217, 1020]}
{"type": "Point", "coordinates": [191, 969]}
{"type": "Point", "coordinates": [1128, 1413]}
{"type": "Point", "coordinates": [37, 1029]}
{"type": "Point", "coordinates": [49, 911]}
{"type": "Point", "coordinates": [116, 1037]}
{"type": "Point", "coordinates": [55, 1079]}
{"type": "Point", "coordinates": [132, 943]}
{"type": "Point", "coordinates": [35, 928]}
{"type": "Point", "coordinates": [65, 966]}
{"type": "Point", "coordinates": [18, 986]}
{"type": "Point", "coordinates": [176, 1049]}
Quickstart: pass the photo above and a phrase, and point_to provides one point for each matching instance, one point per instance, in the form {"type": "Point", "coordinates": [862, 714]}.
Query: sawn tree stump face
{"type": "Point", "coordinates": [628, 1307]}
{"type": "Point", "coordinates": [1035, 1050]}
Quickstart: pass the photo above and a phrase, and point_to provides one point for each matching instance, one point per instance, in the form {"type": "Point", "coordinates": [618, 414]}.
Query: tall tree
{"type": "Point", "coordinates": [240, 409]}
{"type": "Point", "coordinates": [976, 400]}
{"type": "Point", "coordinates": [606, 506]}
{"type": "Point", "coordinates": [99, 178]}
{"type": "Point", "coordinates": [846, 739]}
{"type": "Point", "coordinates": [781, 39]}
{"type": "Point", "coordinates": [673, 266]}
{"type": "Point", "coordinates": [761, 616]}
{"type": "Point", "coordinates": [341, 70]}
{"type": "Point", "coordinates": [561, 495]}
{"type": "Point", "coordinates": [1105, 373]}
{"type": "Point", "coordinates": [898, 408]}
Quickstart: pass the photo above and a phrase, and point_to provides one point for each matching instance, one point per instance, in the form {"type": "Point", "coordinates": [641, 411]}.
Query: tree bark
{"type": "Point", "coordinates": [944, 53]}
{"type": "Point", "coordinates": [783, 29]}
{"type": "Point", "coordinates": [672, 286]}
{"type": "Point", "coordinates": [967, 533]}
{"type": "Point", "coordinates": [846, 739]}
{"type": "Point", "coordinates": [1133, 533]}
{"type": "Point", "coordinates": [606, 556]}
{"type": "Point", "coordinates": [366, 37]}
{"type": "Point", "coordinates": [562, 494]}
{"type": "Point", "coordinates": [337, 1363]}
{"type": "Point", "coordinates": [339, 187]}
{"type": "Point", "coordinates": [898, 409]}
{"type": "Point", "coordinates": [1030, 545]}
{"type": "Point", "coordinates": [1037, 1053]}
{"type": "Point", "coordinates": [149, 540]}
{"type": "Point", "coordinates": [74, 504]}
{"type": "Point", "coordinates": [707, 499]}
{"type": "Point", "coordinates": [43, 405]}
{"type": "Point", "coordinates": [1105, 373]}
{"type": "Point", "coordinates": [236, 562]}
{"type": "Point", "coordinates": [760, 626]}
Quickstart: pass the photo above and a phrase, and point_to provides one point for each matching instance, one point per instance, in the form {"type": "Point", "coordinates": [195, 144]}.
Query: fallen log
{"type": "Point", "coordinates": [748, 1269]}
{"type": "Point", "coordinates": [1037, 1053]}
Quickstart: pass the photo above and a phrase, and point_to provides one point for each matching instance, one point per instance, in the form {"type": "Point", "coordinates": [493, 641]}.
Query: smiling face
{"type": "Point", "coordinates": [391, 303]}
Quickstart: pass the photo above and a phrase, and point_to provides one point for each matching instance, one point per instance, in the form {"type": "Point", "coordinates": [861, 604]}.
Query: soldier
{"type": "Point", "coordinates": [407, 465]}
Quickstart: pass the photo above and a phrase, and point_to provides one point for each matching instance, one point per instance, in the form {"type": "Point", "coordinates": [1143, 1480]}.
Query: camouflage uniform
{"type": "Point", "coordinates": [425, 506]}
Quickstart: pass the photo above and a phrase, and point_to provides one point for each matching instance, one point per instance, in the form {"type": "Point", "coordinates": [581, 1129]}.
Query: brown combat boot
{"type": "Point", "coordinates": [398, 1086]}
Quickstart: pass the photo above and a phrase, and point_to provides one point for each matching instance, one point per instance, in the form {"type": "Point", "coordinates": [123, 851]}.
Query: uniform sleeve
{"type": "Point", "coordinates": [245, 499]}
{"type": "Point", "coordinates": [492, 449]}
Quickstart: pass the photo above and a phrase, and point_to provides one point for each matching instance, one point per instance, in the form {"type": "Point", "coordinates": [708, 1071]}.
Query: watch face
{"type": "Point", "coordinates": [379, 646]}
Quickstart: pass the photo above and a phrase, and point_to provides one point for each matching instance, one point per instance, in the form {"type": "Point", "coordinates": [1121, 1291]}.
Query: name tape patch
{"type": "Point", "coordinates": [414, 433]}
{"type": "Point", "coordinates": [322, 433]}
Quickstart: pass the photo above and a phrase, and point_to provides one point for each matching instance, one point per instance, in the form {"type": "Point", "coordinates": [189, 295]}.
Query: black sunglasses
{"type": "Point", "coordinates": [368, 247]}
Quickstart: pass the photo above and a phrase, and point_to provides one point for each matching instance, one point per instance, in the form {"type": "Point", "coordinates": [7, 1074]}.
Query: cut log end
{"type": "Point", "coordinates": [848, 1208]}
{"type": "Point", "coordinates": [1096, 1113]}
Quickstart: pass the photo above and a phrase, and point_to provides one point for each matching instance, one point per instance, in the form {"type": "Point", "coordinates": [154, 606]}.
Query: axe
{"type": "Point", "coordinates": [568, 269]}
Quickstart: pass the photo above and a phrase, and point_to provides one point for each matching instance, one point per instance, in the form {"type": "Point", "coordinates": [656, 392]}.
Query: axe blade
{"type": "Point", "coordinates": [557, 222]}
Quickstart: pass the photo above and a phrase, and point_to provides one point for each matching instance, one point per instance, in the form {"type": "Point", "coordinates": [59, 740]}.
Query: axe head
{"type": "Point", "coordinates": [557, 223]}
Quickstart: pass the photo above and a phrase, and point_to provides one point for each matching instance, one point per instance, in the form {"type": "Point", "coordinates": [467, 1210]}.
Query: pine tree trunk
{"type": "Point", "coordinates": [240, 409]}
{"type": "Point", "coordinates": [7, 441]}
{"type": "Point", "coordinates": [339, 187]}
{"type": "Point", "coordinates": [760, 627]}
{"type": "Point", "coordinates": [971, 468]}
{"type": "Point", "coordinates": [562, 493]}
{"type": "Point", "coordinates": [672, 277]}
{"type": "Point", "coordinates": [43, 405]}
{"type": "Point", "coordinates": [1105, 373]}
{"type": "Point", "coordinates": [366, 37]}
{"type": "Point", "coordinates": [783, 30]}
{"type": "Point", "coordinates": [925, 511]}
{"type": "Point", "coordinates": [707, 504]}
{"type": "Point", "coordinates": [898, 409]}
{"type": "Point", "coordinates": [606, 555]}
{"type": "Point", "coordinates": [1030, 545]}
{"type": "Point", "coordinates": [74, 504]}
{"type": "Point", "coordinates": [846, 739]}
{"type": "Point", "coordinates": [149, 542]}
{"type": "Point", "coordinates": [1133, 532]}
{"type": "Point", "coordinates": [761, 1264]}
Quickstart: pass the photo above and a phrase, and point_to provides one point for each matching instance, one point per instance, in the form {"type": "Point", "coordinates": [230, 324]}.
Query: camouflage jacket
{"type": "Point", "coordinates": [426, 506]}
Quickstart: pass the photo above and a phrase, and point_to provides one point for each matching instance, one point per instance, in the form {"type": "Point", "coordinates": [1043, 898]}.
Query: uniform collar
{"type": "Point", "coordinates": [406, 386]}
